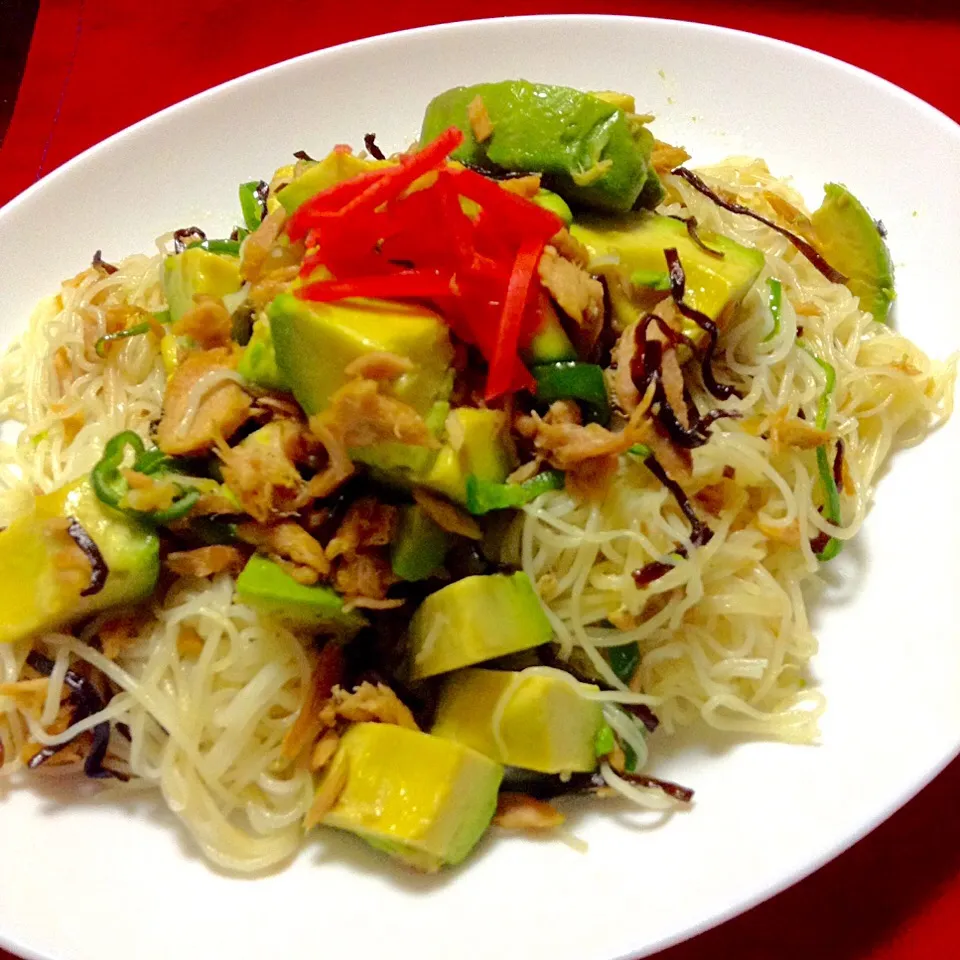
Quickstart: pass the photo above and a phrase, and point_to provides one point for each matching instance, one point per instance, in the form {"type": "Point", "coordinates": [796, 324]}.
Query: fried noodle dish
{"type": "Point", "coordinates": [434, 490]}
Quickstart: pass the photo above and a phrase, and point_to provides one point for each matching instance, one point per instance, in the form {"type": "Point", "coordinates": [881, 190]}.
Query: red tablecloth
{"type": "Point", "coordinates": [96, 66]}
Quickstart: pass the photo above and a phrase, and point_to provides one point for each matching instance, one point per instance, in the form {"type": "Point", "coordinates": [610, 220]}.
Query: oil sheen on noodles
{"type": "Point", "coordinates": [724, 635]}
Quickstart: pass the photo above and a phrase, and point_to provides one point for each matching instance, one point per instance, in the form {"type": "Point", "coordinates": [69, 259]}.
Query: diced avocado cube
{"type": "Point", "coordinates": [713, 284]}
{"type": "Point", "coordinates": [403, 464]}
{"type": "Point", "coordinates": [419, 547]}
{"type": "Point", "coordinates": [267, 587]}
{"type": "Point", "coordinates": [549, 343]}
{"type": "Point", "coordinates": [198, 271]}
{"type": "Point", "coordinates": [536, 720]}
{"type": "Point", "coordinates": [851, 242]}
{"type": "Point", "coordinates": [555, 204]}
{"type": "Point", "coordinates": [315, 342]}
{"type": "Point", "coordinates": [476, 619]}
{"type": "Point", "coordinates": [258, 363]}
{"type": "Point", "coordinates": [588, 150]}
{"type": "Point", "coordinates": [478, 443]}
{"type": "Point", "coordinates": [424, 800]}
{"type": "Point", "coordinates": [34, 595]}
{"type": "Point", "coordinates": [334, 168]}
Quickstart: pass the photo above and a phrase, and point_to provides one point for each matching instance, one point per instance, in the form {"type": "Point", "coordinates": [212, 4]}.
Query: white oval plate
{"type": "Point", "coordinates": [95, 882]}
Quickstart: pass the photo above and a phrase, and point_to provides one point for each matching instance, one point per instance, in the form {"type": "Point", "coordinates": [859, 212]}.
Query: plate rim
{"type": "Point", "coordinates": [949, 127]}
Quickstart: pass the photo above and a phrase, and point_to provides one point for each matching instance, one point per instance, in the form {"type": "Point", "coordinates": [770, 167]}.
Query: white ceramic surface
{"type": "Point", "coordinates": [94, 882]}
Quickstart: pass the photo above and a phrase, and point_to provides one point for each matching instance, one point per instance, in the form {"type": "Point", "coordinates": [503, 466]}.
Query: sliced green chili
{"type": "Point", "coordinates": [571, 380]}
{"type": "Point", "coordinates": [651, 279]}
{"type": "Point", "coordinates": [230, 247]}
{"type": "Point", "coordinates": [624, 660]}
{"type": "Point", "coordinates": [137, 330]}
{"type": "Point", "coordinates": [775, 303]}
{"type": "Point", "coordinates": [111, 487]}
{"type": "Point", "coordinates": [251, 203]}
{"type": "Point", "coordinates": [484, 496]}
{"type": "Point", "coordinates": [603, 742]}
{"type": "Point", "coordinates": [831, 495]}
{"type": "Point", "coordinates": [640, 450]}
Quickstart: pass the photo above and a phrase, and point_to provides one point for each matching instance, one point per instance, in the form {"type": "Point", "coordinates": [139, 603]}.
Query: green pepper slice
{"type": "Point", "coordinates": [571, 380]}
{"type": "Point", "coordinates": [484, 495]}
{"type": "Point", "coordinates": [110, 486]}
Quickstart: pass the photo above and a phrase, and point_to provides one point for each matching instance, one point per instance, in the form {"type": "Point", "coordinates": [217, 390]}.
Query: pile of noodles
{"type": "Point", "coordinates": [724, 634]}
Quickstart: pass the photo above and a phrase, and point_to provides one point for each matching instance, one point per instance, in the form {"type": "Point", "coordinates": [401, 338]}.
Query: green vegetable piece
{"type": "Point", "coordinates": [775, 302]}
{"type": "Point", "coordinates": [35, 596]}
{"type": "Point", "coordinates": [550, 343]}
{"type": "Point", "coordinates": [480, 446]}
{"type": "Point", "coordinates": [111, 487]}
{"type": "Point", "coordinates": [532, 720]}
{"type": "Point", "coordinates": [640, 450]}
{"type": "Point", "coordinates": [334, 168]}
{"type": "Point", "coordinates": [484, 496]}
{"type": "Point", "coordinates": [229, 247]}
{"type": "Point", "coordinates": [831, 506]}
{"type": "Point", "coordinates": [137, 330]}
{"type": "Point", "coordinates": [629, 758]}
{"type": "Point", "coordinates": [252, 197]}
{"type": "Point", "coordinates": [604, 741]}
{"type": "Point", "coordinates": [258, 363]}
{"type": "Point", "coordinates": [419, 547]}
{"type": "Point", "coordinates": [422, 799]}
{"type": "Point", "coordinates": [574, 381]}
{"type": "Point", "coordinates": [637, 241]}
{"type": "Point", "coordinates": [852, 243]}
{"type": "Point", "coordinates": [555, 204]}
{"type": "Point", "coordinates": [624, 660]}
{"type": "Point", "coordinates": [198, 271]}
{"type": "Point", "coordinates": [652, 279]}
{"type": "Point", "coordinates": [475, 619]}
{"type": "Point", "coordinates": [213, 532]}
{"type": "Point", "coordinates": [589, 151]}
{"type": "Point", "coordinates": [315, 342]}
{"type": "Point", "coordinates": [271, 590]}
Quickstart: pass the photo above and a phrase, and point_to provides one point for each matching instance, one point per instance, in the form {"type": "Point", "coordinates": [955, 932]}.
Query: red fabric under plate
{"type": "Point", "coordinates": [96, 66]}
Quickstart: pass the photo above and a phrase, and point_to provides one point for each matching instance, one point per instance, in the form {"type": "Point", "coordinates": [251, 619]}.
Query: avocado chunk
{"type": "Point", "coordinates": [267, 587]}
{"type": "Point", "coordinates": [419, 547]}
{"type": "Point", "coordinates": [555, 204]}
{"type": "Point", "coordinates": [38, 593]}
{"type": "Point", "coordinates": [714, 284]}
{"type": "Point", "coordinates": [478, 443]}
{"type": "Point", "coordinates": [258, 362]}
{"type": "Point", "coordinates": [549, 343]}
{"type": "Point", "coordinates": [851, 241]}
{"type": "Point", "coordinates": [198, 271]}
{"type": "Point", "coordinates": [315, 342]}
{"type": "Point", "coordinates": [334, 168]}
{"type": "Point", "coordinates": [402, 464]}
{"type": "Point", "coordinates": [534, 719]}
{"type": "Point", "coordinates": [589, 151]}
{"type": "Point", "coordinates": [476, 619]}
{"type": "Point", "coordinates": [424, 800]}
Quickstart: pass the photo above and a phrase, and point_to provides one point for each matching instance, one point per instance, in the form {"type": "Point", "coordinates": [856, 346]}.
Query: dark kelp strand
{"type": "Point", "coordinates": [370, 142]}
{"type": "Point", "coordinates": [678, 284]}
{"type": "Point", "coordinates": [100, 264]}
{"type": "Point", "coordinates": [807, 249]}
{"type": "Point", "coordinates": [700, 533]}
{"type": "Point", "coordinates": [185, 236]}
{"type": "Point", "coordinates": [303, 155]}
{"type": "Point", "coordinates": [691, 223]}
{"type": "Point", "coordinates": [99, 571]}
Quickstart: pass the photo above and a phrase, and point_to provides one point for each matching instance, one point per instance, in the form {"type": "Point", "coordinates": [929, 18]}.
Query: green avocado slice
{"type": "Point", "coordinates": [851, 242]}
{"type": "Point", "coordinates": [267, 587]}
{"type": "Point", "coordinates": [589, 151]}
